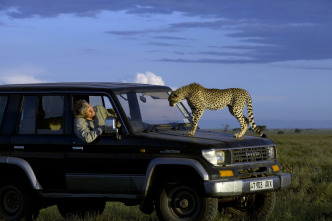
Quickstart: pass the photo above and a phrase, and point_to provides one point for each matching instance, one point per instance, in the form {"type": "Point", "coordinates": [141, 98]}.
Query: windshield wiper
{"type": "Point", "coordinates": [179, 126]}
{"type": "Point", "coordinates": [151, 128]}
{"type": "Point", "coordinates": [171, 126]}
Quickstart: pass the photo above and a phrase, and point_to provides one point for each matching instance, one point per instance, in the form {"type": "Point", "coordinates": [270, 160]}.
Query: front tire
{"type": "Point", "coordinates": [253, 207]}
{"type": "Point", "coordinates": [182, 202]}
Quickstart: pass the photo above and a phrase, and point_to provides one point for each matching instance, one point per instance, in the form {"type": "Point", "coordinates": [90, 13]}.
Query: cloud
{"type": "Point", "coordinates": [280, 30]}
{"type": "Point", "coordinates": [21, 75]}
{"type": "Point", "coordinates": [266, 41]}
{"type": "Point", "coordinates": [282, 10]}
{"type": "Point", "coordinates": [126, 33]}
{"type": "Point", "coordinates": [161, 44]}
{"type": "Point", "coordinates": [164, 37]}
{"type": "Point", "coordinates": [306, 67]}
{"type": "Point", "coordinates": [83, 8]}
{"type": "Point", "coordinates": [214, 24]}
{"type": "Point", "coordinates": [149, 78]}
{"type": "Point", "coordinates": [20, 79]}
{"type": "Point", "coordinates": [301, 32]}
{"type": "Point", "coordinates": [206, 60]}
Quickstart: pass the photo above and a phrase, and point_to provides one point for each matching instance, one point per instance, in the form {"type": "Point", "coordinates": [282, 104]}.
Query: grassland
{"type": "Point", "coordinates": [307, 155]}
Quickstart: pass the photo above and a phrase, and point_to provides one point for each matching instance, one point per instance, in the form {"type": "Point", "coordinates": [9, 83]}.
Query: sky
{"type": "Point", "coordinates": [279, 51]}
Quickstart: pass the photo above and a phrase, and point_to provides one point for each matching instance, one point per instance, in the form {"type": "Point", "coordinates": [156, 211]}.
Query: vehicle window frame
{"type": "Point", "coordinates": [4, 110]}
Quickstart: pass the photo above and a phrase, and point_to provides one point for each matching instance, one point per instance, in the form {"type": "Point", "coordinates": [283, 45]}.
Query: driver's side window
{"type": "Point", "coordinates": [95, 100]}
{"type": "Point", "coordinates": [89, 116]}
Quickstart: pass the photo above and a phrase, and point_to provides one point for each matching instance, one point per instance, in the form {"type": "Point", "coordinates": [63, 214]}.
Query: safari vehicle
{"type": "Point", "coordinates": [147, 161]}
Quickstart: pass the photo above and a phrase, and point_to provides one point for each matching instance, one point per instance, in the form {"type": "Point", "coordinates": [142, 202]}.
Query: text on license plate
{"type": "Point", "coordinates": [261, 185]}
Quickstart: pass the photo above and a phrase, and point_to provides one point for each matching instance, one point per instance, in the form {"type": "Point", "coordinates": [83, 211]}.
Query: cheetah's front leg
{"type": "Point", "coordinates": [196, 116]}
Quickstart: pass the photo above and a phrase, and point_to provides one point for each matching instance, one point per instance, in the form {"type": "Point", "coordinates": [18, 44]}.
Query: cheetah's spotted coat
{"type": "Point", "coordinates": [200, 99]}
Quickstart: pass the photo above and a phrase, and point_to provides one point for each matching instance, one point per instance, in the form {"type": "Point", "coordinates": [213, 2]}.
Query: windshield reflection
{"type": "Point", "coordinates": [150, 111]}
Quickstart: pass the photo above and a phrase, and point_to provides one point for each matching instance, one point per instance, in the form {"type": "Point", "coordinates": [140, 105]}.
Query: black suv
{"type": "Point", "coordinates": [144, 157]}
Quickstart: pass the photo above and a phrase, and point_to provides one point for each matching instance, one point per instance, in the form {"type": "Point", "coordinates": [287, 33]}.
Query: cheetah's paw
{"type": "Point", "coordinates": [238, 135]}
{"type": "Point", "coordinates": [190, 134]}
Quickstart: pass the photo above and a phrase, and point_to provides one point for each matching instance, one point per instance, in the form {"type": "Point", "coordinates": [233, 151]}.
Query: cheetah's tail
{"type": "Point", "coordinates": [254, 127]}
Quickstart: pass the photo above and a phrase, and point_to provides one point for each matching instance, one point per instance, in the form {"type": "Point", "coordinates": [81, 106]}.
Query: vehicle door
{"type": "Point", "coordinates": [39, 137]}
{"type": "Point", "coordinates": [101, 166]}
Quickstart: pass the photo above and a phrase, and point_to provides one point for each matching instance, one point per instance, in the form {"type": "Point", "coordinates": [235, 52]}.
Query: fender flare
{"type": "Point", "coordinates": [25, 167]}
{"type": "Point", "coordinates": [172, 161]}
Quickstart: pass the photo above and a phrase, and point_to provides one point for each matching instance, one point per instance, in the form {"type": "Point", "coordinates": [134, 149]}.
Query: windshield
{"type": "Point", "coordinates": [150, 111]}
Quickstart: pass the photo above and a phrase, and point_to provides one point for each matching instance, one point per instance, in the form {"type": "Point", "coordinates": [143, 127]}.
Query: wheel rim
{"type": "Point", "coordinates": [183, 202]}
{"type": "Point", "coordinates": [245, 203]}
{"type": "Point", "coordinates": [11, 201]}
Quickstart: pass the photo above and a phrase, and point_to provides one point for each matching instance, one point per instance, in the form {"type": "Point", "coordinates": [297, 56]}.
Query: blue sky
{"type": "Point", "coordinates": [280, 51]}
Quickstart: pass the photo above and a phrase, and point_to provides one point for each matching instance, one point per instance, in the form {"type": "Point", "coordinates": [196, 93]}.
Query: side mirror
{"type": "Point", "coordinates": [110, 127]}
{"type": "Point", "coordinates": [143, 99]}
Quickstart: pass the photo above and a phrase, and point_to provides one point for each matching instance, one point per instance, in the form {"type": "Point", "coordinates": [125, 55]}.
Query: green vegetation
{"type": "Point", "coordinates": [307, 155]}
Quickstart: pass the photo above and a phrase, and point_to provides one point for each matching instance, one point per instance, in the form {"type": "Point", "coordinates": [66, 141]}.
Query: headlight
{"type": "Point", "coordinates": [271, 152]}
{"type": "Point", "coordinates": [215, 157]}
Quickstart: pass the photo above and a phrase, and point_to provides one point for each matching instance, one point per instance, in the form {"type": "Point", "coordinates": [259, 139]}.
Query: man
{"type": "Point", "coordinates": [89, 121]}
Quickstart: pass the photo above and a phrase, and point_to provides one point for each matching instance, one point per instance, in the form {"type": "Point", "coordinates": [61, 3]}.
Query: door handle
{"type": "Point", "coordinates": [77, 148]}
{"type": "Point", "coordinates": [18, 147]}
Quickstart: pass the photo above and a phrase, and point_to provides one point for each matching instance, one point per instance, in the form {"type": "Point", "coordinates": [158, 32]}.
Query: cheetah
{"type": "Point", "coordinates": [200, 99]}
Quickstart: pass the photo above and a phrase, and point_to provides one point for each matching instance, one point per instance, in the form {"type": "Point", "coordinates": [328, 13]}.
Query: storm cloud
{"type": "Point", "coordinates": [268, 31]}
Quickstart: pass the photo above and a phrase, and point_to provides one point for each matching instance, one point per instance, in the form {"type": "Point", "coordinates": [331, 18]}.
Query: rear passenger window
{"type": "Point", "coordinates": [42, 115]}
{"type": "Point", "coordinates": [3, 102]}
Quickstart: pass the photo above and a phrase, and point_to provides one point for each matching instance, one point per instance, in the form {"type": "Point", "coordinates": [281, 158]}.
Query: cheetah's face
{"type": "Point", "coordinates": [173, 99]}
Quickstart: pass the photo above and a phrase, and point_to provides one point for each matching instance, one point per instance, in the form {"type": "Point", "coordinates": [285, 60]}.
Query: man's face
{"type": "Point", "coordinates": [89, 113]}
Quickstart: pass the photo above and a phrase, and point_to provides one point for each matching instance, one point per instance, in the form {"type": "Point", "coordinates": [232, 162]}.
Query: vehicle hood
{"type": "Point", "coordinates": [202, 139]}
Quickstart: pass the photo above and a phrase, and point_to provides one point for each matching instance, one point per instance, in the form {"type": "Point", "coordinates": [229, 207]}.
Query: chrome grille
{"type": "Point", "coordinates": [252, 154]}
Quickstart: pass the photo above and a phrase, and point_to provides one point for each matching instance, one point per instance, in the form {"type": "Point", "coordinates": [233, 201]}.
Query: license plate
{"type": "Point", "coordinates": [261, 185]}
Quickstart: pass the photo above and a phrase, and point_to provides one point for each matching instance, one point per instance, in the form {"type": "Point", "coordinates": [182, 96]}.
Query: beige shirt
{"type": "Point", "coordinates": [89, 130]}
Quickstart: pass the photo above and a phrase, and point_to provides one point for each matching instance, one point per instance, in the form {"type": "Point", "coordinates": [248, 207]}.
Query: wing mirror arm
{"type": "Point", "coordinates": [110, 127]}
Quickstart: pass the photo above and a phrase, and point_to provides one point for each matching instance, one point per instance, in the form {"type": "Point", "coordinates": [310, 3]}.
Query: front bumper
{"type": "Point", "coordinates": [237, 187]}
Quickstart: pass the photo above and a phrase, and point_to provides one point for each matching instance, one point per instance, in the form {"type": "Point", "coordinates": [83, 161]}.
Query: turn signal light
{"type": "Point", "coordinates": [226, 173]}
{"type": "Point", "coordinates": [275, 168]}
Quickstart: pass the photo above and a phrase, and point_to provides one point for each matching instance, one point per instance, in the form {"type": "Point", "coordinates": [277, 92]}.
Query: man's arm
{"type": "Point", "coordinates": [83, 131]}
